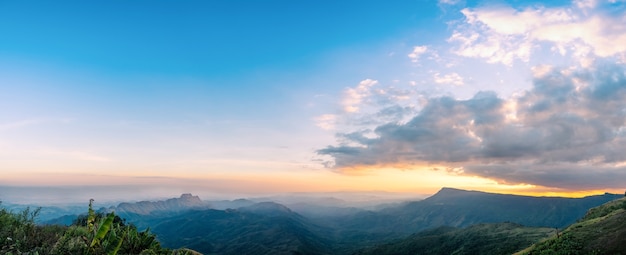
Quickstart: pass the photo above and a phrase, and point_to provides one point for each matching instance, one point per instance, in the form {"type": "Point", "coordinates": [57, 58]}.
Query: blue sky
{"type": "Point", "coordinates": [313, 96]}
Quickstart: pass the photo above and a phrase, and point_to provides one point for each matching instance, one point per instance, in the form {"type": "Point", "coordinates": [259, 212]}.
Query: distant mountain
{"type": "Point", "coordinates": [262, 228]}
{"type": "Point", "coordinates": [602, 231]}
{"type": "Point", "coordinates": [183, 203]}
{"type": "Point", "coordinates": [269, 209]}
{"type": "Point", "coordinates": [461, 208]}
{"type": "Point", "coordinates": [494, 239]}
{"type": "Point", "coordinates": [322, 211]}
{"type": "Point", "coordinates": [229, 204]}
{"type": "Point", "coordinates": [49, 214]}
{"type": "Point", "coordinates": [133, 212]}
{"type": "Point", "coordinates": [249, 227]}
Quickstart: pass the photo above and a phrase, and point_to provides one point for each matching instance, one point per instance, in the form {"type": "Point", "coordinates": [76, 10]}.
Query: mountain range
{"type": "Point", "coordinates": [456, 218]}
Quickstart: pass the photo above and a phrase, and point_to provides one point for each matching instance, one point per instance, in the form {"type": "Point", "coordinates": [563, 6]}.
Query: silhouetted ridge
{"type": "Point", "coordinates": [452, 193]}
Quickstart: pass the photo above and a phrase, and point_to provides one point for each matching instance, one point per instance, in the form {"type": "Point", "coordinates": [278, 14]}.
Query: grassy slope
{"type": "Point", "coordinates": [601, 231]}
{"type": "Point", "coordinates": [500, 238]}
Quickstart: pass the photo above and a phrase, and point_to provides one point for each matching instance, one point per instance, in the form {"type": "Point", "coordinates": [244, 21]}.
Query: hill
{"type": "Point", "coordinates": [272, 228]}
{"type": "Point", "coordinates": [601, 231]}
{"type": "Point", "coordinates": [461, 208]}
{"type": "Point", "coordinates": [93, 233]}
{"type": "Point", "coordinates": [498, 238]}
{"type": "Point", "coordinates": [263, 228]}
{"type": "Point", "coordinates": [183, 203]}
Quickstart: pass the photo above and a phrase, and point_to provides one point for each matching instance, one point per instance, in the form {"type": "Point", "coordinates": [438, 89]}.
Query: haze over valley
{"type": "Point", "coordinates": [312, 127]}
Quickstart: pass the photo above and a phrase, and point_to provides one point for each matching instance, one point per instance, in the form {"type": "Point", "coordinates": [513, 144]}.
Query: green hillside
{"type": "Point", "coordinates": [499, 238]}
{"type": "Point", "coordinates": [93, 234]}
{"type": "Point", "coordinates": [601, 231]}
{"type": "Point", "coordinates": [462, 208]}
{"type": "Point", "coordinates": [264, 228]}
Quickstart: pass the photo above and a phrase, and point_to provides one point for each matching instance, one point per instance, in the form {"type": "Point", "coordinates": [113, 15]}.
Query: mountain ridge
{"type": "Point", "coordinates": [184, 202]}
{"type": "Point", "coordinates": [187, 221]}
{"type": "Point", "coordinates": [461, 208]}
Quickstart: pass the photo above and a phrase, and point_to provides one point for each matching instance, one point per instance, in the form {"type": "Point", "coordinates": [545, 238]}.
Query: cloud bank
{"type": "Point", "coordinates": [504, 34]}
{"type": "Point", "coordinates": [567, 129]}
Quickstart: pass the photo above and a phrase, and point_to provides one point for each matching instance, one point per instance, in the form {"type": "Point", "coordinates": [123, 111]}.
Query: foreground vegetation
{"type": "Point", "coordinates": [271, 228]}
{"type": "Point", "coordinates": [487, 238]}
{"type": "Point", "coordinates": [93, 233]}
{"type": "Point", "coordinates": [601, 231]}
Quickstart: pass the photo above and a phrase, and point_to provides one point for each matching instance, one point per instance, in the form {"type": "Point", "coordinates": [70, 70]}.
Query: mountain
{"type": "Point", "coordinates": [49, 214]}
{"type": "Point", "coordinates": [249, 227]}
{"type": "Point", "coordinates": [601, 231]}
{"type": "Point", "coordinates": [229, 204]}
{"type": "Point", "coordinates": [183, 203]}
{"type": "Point", "coordinates": [492, 238]}
{"type": "Point", "coordinates": [262, 228]}
{"type": "Point", "coordinates": [461, 208]}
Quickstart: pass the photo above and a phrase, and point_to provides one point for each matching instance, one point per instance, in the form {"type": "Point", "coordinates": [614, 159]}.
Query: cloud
{"type": "Point", "coordinates": [505, 34]}
{"type": "Point", "coordinates": [354, 96]}
{"type": "Point", "coordinates": [417, 52]}
{"type": "Point", "coordinates": [326, 121]}
{"type": "Point", "coordinates": [449, 2]}
{"type": "Point", "coordinates": [371, 103]}
{"type": "Point", "coordinates": [451, 78]}
{"type": "Point", "coordinates": [567, 131]}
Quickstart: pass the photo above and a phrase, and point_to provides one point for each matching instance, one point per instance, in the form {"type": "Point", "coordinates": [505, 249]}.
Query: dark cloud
{"type": "Point", "coordinates": [568, 131]}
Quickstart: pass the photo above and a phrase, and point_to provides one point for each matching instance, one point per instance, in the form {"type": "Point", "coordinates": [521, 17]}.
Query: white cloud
{"type": "Point", "coordinates": [585, 4]}
{"type": "Point", "coordinates": [567, 131]}
{"type": "Point", "coordinates": [451, 78]}
{"type": "Point", "coordinates": [449, 2]}
{"type": "Point", "coordinates": [326, 121]}
{"type": "Point", "coordinates": [541, 70]}
{"type": "Point", "coordinates": [417, 52]}
{"type": "Point", "coordinates": [504, 34]}
{"type": "Point", "coordinates": [354, 96]}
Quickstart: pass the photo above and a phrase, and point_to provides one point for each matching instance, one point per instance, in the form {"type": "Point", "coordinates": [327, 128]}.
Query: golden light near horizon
{"type": "Point", "coordinates": [504, 98]}
{"type": "Point", "coordinates": [420, 182]}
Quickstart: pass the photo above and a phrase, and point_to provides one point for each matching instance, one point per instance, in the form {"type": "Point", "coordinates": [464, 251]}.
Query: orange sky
{"type": "Point", "coordinates": [419, 182]}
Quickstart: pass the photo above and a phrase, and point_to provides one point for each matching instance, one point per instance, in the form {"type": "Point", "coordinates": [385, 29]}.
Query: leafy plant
{"type": "Point", "coordinates": [91, 234]}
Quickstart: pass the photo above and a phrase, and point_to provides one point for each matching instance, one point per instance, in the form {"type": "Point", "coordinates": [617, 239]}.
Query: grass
{"type": "Point", "coordinates": [601, 231]}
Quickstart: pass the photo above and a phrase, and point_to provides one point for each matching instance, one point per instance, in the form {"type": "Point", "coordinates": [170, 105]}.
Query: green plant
{"type": "Point", "coordinates": [91, 234]}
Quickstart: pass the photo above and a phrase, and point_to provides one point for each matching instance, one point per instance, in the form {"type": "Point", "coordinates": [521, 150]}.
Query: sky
{"type": "Point", "coordinates": [258, 97]}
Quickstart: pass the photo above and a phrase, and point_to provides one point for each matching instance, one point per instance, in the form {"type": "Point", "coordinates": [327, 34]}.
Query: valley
{"type": "Point", "coordinates": [450, 221]}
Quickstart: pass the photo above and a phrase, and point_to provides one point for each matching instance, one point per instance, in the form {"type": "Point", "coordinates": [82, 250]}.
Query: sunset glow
{"type": "Point", "coordinates": [272, 97]}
